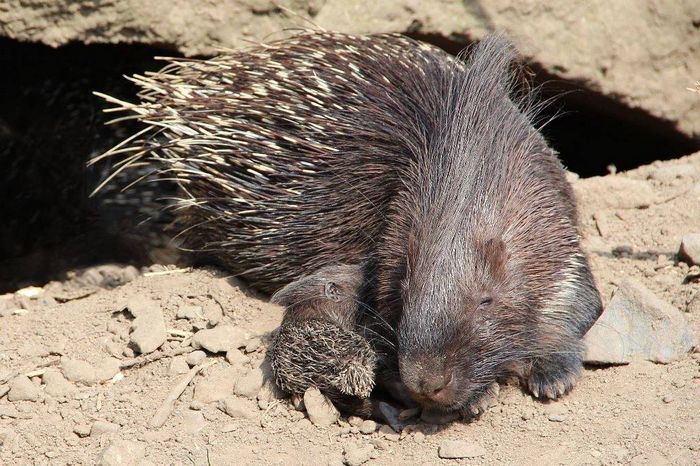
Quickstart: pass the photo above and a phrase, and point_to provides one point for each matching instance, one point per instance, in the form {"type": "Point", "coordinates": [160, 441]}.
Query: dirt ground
{"type": "Point", "coordinates": [642, 413]}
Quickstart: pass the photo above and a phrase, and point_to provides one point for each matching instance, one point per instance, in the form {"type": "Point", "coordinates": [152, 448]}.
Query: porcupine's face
{"type": "Point", "coordinates": [459, 330]}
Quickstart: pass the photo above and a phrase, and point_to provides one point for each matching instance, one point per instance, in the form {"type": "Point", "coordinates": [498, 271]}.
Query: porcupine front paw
{"type": "Point", "coordinates": [480, 402]}
{"type": "Point", "coordinates": [315, 352]}
{"type": "Point", "coordinates": [554, 376]}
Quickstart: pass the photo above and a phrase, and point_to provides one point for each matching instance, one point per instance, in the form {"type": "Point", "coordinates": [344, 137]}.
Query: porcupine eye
{"type": "Point", "coordinates": [485, 301]}
{"type": "Point", "coordinates": [332, 291]}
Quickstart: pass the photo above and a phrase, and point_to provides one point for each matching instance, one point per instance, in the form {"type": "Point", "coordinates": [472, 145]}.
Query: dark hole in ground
{"type": "Point", "coordinates": [592, 131]}
{"type": "Point", "coordinates": [50, 124]}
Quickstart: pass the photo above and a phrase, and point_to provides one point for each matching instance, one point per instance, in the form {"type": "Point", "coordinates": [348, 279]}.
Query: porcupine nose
{"type": "Point", "coordinates": [436, 387]}
{"type": "Point", "coordinates": [432, 385]}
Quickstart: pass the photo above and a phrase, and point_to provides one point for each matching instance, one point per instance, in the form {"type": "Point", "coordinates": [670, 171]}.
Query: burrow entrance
{"type": "Point", "coordinates": [50, 124]}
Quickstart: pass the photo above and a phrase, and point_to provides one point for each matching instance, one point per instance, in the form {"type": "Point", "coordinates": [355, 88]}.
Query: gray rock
{"type": "Point", "coordinates": [689, 251]}
{"type": "Point", "coordinates": [148, 330]}
{"type": "Point", "coordinates": [454, 449]}
{"type": "Point", "coordinates": [195, 357]}
{"type": "Point", "coordinates": [23, 389]}
{"type": "Point", "coordinates": [219, 339]}
{"type": "Point", "coordinates": [57, 385]}
{"type": "Point", "coordinates": [122, 453]}
{"type": "Point", "coordinates": [638, 325]}
{"type": "Point", "coordinates": [319, 408]}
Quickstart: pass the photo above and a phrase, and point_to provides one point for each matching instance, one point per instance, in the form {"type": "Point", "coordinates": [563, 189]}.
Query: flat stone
{"type": "Point", "coordinates": [638, 325]}
{"type": "Point", "coordinates": [103, 427]}
{"type": "Point", "coordinates": [193, 422]}
{"type": "Point", "coordinates": [219, 339]}
{"type": "Point", "coordinates": [217, 385]}
{"type": "Point", "coordinates": [236, 408]}
{"type": "Point", "coordinates": [455, 449]}
{"type": "Point", "coordinates": [106, 369]}
{"type": "Point", "coordinates": [78, 371]}
{"type": "Point", "coordinates": [178, 366]}
{"type": "Point", "coordinates": [321, 411]}
{"type": "Point", "coordinates": [148, 330]}
{"type": "Point", "coordinates": [122, 453]}
{"type": "Point", "coordinates": [56, 384]}
{"type": "Point", "coordinates": [82, 430]}
{"type": "Point", "coordinates": [689, 251]}
{"type": "Point", "coordinates": [23, 389]}
{"type": "Point", "coordinates": [189, 312]}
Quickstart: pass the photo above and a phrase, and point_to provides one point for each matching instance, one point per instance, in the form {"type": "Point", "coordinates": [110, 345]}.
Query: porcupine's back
{"type": "Point", "coordinates": [286, 154]}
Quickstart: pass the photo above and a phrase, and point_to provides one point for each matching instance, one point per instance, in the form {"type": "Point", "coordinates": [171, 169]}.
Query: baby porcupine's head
{"type": "Point", "coordinates": [465, 314]}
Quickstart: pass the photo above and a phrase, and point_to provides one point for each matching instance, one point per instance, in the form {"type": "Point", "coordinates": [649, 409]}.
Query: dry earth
{"type": "Point", "coordinates": [641, 413]}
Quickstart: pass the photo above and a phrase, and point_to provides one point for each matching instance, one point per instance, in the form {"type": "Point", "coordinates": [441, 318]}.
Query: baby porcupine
{"type": "Point", "coordinates": [317, 344]}
{"type": "Point", "coordinates": [425, 170]}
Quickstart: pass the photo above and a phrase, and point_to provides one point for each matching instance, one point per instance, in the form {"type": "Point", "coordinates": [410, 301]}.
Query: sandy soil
{"type": "Point", "coordinates": [641, 413]}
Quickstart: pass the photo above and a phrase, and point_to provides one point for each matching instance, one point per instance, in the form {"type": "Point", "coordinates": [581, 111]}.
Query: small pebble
{"type": "Point", "coordinates": [454, 449]}
{"type": "Point", "coordinates": [355, 421]}
{"type": "Point", "coordinates": [78, 371]}
{"type": "Point", "coordinates": [357, 455]}
{"type": "Point", "coordinates": [668, 398]}
{"type": "Point", "coordinates": [189, 312]}
{"type": "Point", "coordinates": [217, 385]}
{"type": "Point", "coordinates": [368, 427]}
{"type": "Point", "coordinates": [689, 251]}
{"type": "Point", "coordinates": [228, 428]}
{"type": "Point", "coordinates": [235, 407]}
{"type": "Point", "coordinates": [23, 389]}
{"type": "Point", "coordinates": [319, 408]}
{"type": "Point", "coordinates": [219, 339]}
{"type": "Point", "coordinates": [57, 385]}
{"type": "Point", "coordinates": [148, 330]}
{"type": "Point", "coordinates": [389, 433]}
{"type": "Point", "coordinates": [556, 417]}
{"type": "Point", "coordinates": [103, 427]}
{"type": "Point", "coordinates": [195, 358]}
{"type": "Point", "coordinates": [193, 422]}
{"type": "Point", "coordinates": [250, 384]}
{"type": "Point", "coordinates": [178, 365]}
{"type": "Point", "coordinates": [252, 345]}
{"type": "Point", "coordinates": [236, 358]}
{"type": "Point", "coordinates": [419, 437]}
{"type": "Point", "coordinates": [122, 453]}
{"type": "Point", "coordinates": [106, 369]}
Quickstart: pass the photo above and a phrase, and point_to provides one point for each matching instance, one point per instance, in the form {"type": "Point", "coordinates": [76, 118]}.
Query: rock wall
{"type": "Point", "coordinates": [646, 53]}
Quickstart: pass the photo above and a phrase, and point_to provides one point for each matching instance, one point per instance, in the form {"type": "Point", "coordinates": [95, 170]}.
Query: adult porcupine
{"type": "Point", "coordinates": [383, 151]}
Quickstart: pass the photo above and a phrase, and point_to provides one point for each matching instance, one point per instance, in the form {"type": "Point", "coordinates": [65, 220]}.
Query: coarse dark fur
{"type": "Point", "coordinates": [384, 153]}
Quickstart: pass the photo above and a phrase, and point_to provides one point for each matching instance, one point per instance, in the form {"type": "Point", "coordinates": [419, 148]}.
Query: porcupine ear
{"type": "Point", "coordinates": [298, 291]}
